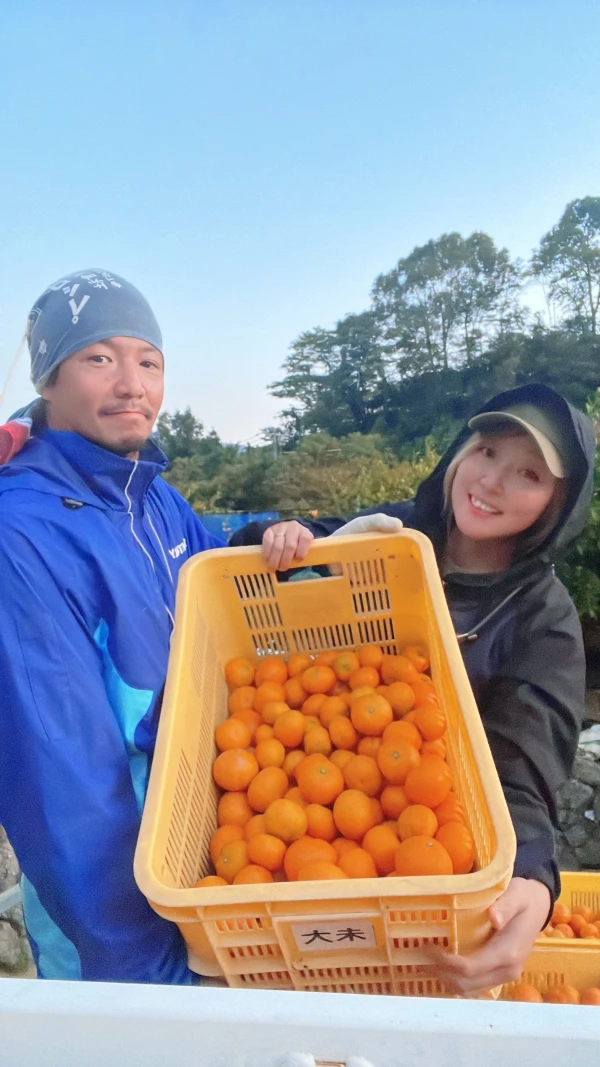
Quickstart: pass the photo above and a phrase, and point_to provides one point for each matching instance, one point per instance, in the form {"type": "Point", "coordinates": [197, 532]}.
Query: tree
{"type": "Point", "coordinates": [568, 263]}
{"type": "Point", "coordinates": [335, 376]}
{"type": "Point", "coordinates": [441, 304]}
{"type": "Point", "coordinates": [179, 433]}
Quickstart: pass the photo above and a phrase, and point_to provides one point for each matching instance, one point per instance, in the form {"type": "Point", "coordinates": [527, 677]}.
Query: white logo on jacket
{"type": "Point", "coordinates": [178, 550]}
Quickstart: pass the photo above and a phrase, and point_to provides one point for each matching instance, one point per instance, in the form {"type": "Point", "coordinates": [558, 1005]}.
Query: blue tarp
{"type": "Point", "coordinates": [224, 525]}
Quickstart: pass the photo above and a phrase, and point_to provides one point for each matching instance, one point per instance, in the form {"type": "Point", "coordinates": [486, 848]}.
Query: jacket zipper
{"type": "Point", "coordinates": [137, 540]}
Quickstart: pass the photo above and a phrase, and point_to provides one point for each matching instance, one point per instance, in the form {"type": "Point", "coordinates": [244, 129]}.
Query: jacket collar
{"type": "Point", "coordinates": [68, 465]}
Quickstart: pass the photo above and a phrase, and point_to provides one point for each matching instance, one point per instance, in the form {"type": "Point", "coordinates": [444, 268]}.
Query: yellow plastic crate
{"type": "Point", "coordinates": [556, 961]}
{"type": "Point", "coordinates": [388, 592]}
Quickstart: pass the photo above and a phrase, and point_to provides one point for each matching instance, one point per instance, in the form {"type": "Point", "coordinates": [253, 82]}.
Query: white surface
{"type": "Point", "coordinates": [63, 1024]}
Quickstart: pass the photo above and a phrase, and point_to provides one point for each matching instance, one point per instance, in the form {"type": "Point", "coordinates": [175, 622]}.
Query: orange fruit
{"type": "Point", "coordinates": [252, 719]}
{"type": "Point", "coordinates": [340, 757]}
{"type": "Point", "coordinates": [422, 855]}
{"type": "Point", "coordinates": [291, 761]}
{"type": "Point", "coordinates": [576, 922]}
{"type": "Point", "coordinates": [295, 795]}
{"type": "Point", "coordinates": [252, 874]}
{"type": "Point", "coordinates": [396, 760]}
{"type": "Point", "coordinates": [239, 672]}
{"type": "Point", "coordinates": [417, 821]}
{"type": "Point", "coordinates": [295, 693]}
{"type": "Point", "coordinates": [320, 822]}
{"type": "Point", "coordinates": [324, 659]}
{"type": "Point", "coordinates": [241, 699]}
{"type": "Point", "coordinates": [267, 850]}
{"type": "Point", "coordinates": [297, 663]}
{"type": "Point", "coordinates": [233, 733]}
{"type": "Point", "coordinates": [562, 928]}
{"type": "Point", "coordinates": [285, 819]}
{"type": "Point", "coordinates": [289, 728]}
{"type": "Point", "coordinates": [430, 721]}
{"type": "Point", "coordinates": [353, 814]}
{"type": "Point", "coordinates": [434, 748]}
{"type": "Point", "coordinates": [313, 704]}
{"type": "Point", "coordinates": [269, 784]}
{"type": "Point", "coordinates": [231, 859]}
{"type": "Point", "coordinates": [271, 669]}
{"type": "Point", "coordinates": [233, 809]}
{"type": "Point", "coordinates": [318, 679]}
{"type": "Point", "coordinates": [370, 714]}
{"type": "Point", "coordinates": [271, 711]}
{"type": "Point", "coordinates": [344, 664]}
{"type": "Point", "coordinates": [234, 770]}
{"type": "Point", "coordinates": [402, 731]}
{"type": "Point", "coordinates": [319, 780]}
{"type": "Point", "coordinates": [458, 841]}
{"type": "Point", "coordinates": [320, 871]}
{"type": "Point", "coordinates": [370, 656]}
{"type": "Point", "coordinates": [429, 783]}
{"type": "Point", "coordinates": [589, 930]}
{"type": "Point", "coordinates": [393, 801]}
{"type": "Point", "coordinates": [310, 721]}
{"type": "Point", "coordinates": [270, 753]}
{"type": "Point", "coordinates": [254, 826]}
{"type": "Point", "coordinates": [451, 810]}
{"type": "Point", "coordinates": [418, 656]}
{"type": "Point", "coordinates": [263, 733]}
{"type": "Point", "coordinates": [590, 996]}
{"type": "Point", "coordinates": [358, 863]}
{"type": "Point", "coordinates": [398, 669]}
{"type": "Point", "coordinates": [424, 690]}
{"type": "Point", "coordinates": [222, 837]}
{"type": "Point", "coordinates": [585, 911]}
{"type": "Point", "coordinates": [566, 994]}
{"type": "Point", "coordinates": [381, 842]}
{"type": "Point", "coordinates": [362, 691]}
{"type": "Point", "coordinates": [318, 740]}
{"type": "Point", "coordinates": [527, 993]}
{"type": "Point", "coordinates": [268, 693]}
{"type": "Point", "coordinates": [307, 850]}
{"type": "Point", "coordinates": [343, 845]}
{"type": "Point", "coordinates": [210, 880]}
{"type": "Point", "coordinates": [401, 697]}
{"type": "Point", "coordinates": [561, 913]}
{"type": "Point", "coordinates": [340, 689]}
{"type": "Point", "coordinates": [362, 772]}
{"type": "Point", "coordinates": [332, 707]}
{"type": "Point", "coordinates": [368, 746]}
{"type": "Point", "coordinates": [376, 811]}
{"type": "Point", "coordinates": [364, 676]}
{"type": "Point", "coordinates": [342, 733]}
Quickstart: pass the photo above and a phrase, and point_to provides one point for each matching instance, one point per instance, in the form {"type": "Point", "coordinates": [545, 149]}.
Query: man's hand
{"type": "Point", "coordinates": [284, 542]}
{"type": "Point", "coordinates": [517, 918]}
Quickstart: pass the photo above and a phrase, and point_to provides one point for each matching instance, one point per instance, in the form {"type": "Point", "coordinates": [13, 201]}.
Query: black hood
{"type": "Point", "coordinates": [578, 429]}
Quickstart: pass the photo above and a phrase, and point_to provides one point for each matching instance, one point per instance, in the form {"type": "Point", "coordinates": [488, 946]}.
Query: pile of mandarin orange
{"type": "Point", "coordinates": [334, 766]}
{"type": "Point", "coordinates": [580, 921]}
{"type": "Point", "coordinates": [560, 994]}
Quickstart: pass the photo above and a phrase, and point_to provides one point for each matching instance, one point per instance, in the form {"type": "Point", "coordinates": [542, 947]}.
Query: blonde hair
{"type": "Point", "coordinates": [536, 534]}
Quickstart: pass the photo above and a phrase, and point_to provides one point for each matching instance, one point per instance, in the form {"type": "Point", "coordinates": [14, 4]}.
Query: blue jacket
{"type": "Point", "coordinates": [90, 554]}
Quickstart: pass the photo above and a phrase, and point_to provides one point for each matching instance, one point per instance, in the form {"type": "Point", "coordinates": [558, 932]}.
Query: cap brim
{"type": "Point", "coordinates": [495, 419]}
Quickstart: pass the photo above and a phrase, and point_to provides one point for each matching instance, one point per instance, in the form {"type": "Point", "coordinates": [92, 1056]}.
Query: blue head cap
{"type": "Point", "coordinates": [81, 309]}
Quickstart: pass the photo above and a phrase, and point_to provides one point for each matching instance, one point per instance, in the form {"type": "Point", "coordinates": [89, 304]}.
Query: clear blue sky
{"type": "Point", "coordinates": [252, 165]}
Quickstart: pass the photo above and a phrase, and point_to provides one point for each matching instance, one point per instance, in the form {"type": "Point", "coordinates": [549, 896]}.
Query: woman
{"type": "Point", "coordinates": [516, 483]}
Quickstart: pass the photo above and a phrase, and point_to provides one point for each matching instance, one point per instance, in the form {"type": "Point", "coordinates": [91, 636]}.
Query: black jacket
{"type": "Point", "coordinates": [521, 641]}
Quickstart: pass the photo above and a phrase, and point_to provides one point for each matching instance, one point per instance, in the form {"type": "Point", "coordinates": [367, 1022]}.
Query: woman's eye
{"type": "Point", "coordinates": [531, 475]}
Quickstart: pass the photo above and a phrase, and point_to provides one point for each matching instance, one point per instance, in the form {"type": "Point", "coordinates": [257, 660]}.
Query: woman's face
{"type": "Point", "coordinates": [501, 488]}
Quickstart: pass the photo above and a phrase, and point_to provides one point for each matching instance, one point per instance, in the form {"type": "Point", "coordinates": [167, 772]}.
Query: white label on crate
{"type": "Point", "coordinates": [333, 936]}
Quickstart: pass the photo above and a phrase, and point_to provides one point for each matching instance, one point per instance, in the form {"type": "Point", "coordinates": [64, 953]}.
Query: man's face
{"type": "Point", "coordinates": [110, 392]}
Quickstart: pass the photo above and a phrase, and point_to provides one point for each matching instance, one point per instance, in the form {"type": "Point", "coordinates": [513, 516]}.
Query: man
{"type": "Point", "coordinates": [91, 548]}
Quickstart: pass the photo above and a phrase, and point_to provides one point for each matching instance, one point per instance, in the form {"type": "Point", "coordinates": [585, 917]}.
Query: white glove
{"type": "Point", "coordinates": [379, 523]}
